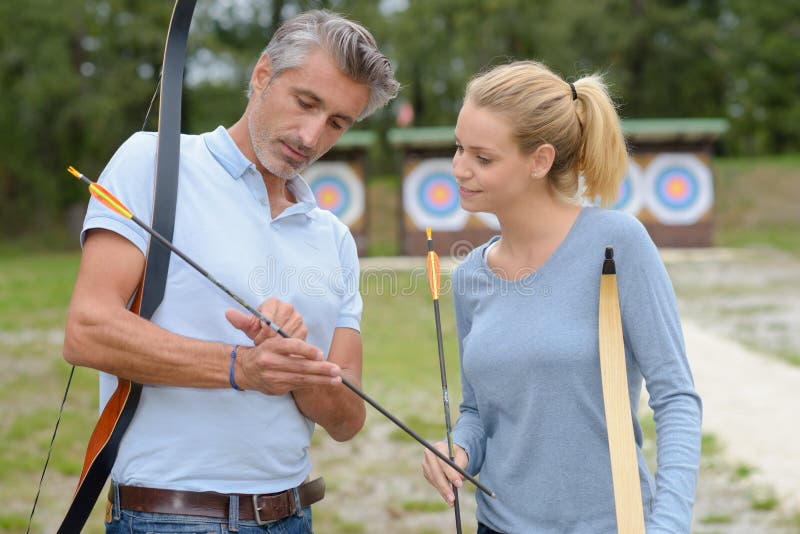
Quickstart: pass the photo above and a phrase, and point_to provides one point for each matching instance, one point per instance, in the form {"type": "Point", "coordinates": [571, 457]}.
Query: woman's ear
{"type": "Point", "coordinates": [541, 160]}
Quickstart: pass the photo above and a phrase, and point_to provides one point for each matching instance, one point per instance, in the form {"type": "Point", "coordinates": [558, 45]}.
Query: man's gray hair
{"type": "Point", "coordinates": [350, 45]}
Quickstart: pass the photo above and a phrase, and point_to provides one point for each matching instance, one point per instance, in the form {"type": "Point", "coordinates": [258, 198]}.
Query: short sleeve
{"type": "Point", "coordinates": [129, 176]}
{"type": "Point", "coordinates": [351, 303]}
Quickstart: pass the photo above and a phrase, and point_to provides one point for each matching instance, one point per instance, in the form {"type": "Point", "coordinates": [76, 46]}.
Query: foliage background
{"type": "Point", "coordinates": [77, 75]}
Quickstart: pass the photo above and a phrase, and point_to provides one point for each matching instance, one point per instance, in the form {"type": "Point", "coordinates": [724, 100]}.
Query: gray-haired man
{"type": "Point", "coordinates": [220, 438]}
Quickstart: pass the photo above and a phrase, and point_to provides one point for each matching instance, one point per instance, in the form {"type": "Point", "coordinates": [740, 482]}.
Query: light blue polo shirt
{"type": "Point", "coordinates": [220, 439]}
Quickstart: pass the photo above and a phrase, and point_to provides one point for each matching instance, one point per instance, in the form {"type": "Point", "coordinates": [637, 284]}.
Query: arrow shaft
{"type": "Point", "coordinates": [434, 276]}
{"type": "Point", "coordinates": [446, 403]}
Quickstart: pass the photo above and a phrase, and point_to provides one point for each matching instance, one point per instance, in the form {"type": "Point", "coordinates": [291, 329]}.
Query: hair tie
{"type": "Point", "coordinates": [574, 92]}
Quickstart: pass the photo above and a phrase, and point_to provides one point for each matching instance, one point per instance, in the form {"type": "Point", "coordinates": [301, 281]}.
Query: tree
{"type": "Point", "coordinates": [76, 83]}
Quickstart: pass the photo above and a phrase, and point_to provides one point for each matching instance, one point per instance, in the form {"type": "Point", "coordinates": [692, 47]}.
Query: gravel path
{"type": "Point", "coordinates": [751, 403]}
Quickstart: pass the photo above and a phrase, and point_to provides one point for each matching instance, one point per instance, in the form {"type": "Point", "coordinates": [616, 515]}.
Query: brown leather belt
{"type": "Point", "coordinates": [262, 508]}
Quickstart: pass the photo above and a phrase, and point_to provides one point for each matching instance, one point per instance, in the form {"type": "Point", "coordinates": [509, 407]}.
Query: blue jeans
{"type": "Point", "coordinates": [129, 522]}
{"type": "Point", "coordinates": [148, 523]}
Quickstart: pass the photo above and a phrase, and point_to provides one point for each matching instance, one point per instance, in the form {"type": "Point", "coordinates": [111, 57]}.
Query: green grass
{"type": "Point", "coordinates": [781, 237]}
{"type": "Point", "coordinates": [11, 522]}
{"type": "Point", "coordinates": [743, 471]}
{"type": "Point", "coordinates": [709, 445]}
{"type": "Point", "coordinates": [328, 521]}
{"type": "Point", "coordinates": [431, 431]}
{"type": "Point", "coordinates": [717, 519]}
{"type": "Point", "coordinates": [35, 290]}
{"type": "Point", "coordinates": [756, 202]}
{"type": "Point", "coordinates": [763, 500]}
{"type": "Point", "coordinates": [424, 506]}
{"type": "Point", "coordinates": [383, 215]}
{"type": "Point", "coordinates": [34, 294]}
{"type": "Point", "coordinates": [794, 520]}
{"type": "Point", "coordinates": [400, 335]}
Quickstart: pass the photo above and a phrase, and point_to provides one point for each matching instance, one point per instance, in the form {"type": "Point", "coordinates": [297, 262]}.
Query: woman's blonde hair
{"type": "Point", "coordinates": [581, 123]}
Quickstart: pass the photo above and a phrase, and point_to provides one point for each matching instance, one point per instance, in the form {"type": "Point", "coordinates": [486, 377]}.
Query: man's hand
{"type": "Point", "coordinates": [440, 475]}
{"type": "Point", "coordinates": [282, 314]}
{"type": "Point", "coordinates": [276, 365]}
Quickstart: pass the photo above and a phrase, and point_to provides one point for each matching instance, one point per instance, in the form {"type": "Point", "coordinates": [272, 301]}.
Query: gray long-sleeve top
{"type": "Point", "coordinates": [532, 419]}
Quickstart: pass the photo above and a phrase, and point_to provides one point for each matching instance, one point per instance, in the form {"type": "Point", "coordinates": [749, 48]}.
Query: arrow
{"type": "Point", "coordinates": [102, 195]}
{"type": "Point", "coordinates": [434, 279]}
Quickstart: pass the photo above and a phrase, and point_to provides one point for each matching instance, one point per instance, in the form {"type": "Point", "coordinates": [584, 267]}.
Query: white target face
{"type": "Point", "coordinates": [430, 196]}
{"type": "Point", "coordinates": [678, 188]}
{"type": "Point", "coordinates": [337, 189]}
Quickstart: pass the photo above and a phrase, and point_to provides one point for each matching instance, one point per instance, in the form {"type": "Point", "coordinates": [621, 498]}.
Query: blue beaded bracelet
{"type": "Point", "coordinates": [233, 360]}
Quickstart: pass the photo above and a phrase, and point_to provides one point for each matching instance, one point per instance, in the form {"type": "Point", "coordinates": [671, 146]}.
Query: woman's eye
{"type": "Point", "coordinates": [303, 104]}
{"type": "Point", "coordinates": [483, 161]}
{"type": "Point", "coordinates": [459, 148]}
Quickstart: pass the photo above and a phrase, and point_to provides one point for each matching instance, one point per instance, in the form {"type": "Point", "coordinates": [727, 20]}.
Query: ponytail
{"type": "Point", "coordinates": [603, 156]}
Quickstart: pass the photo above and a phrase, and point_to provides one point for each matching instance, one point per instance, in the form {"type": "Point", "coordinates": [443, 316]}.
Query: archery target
{"type": "Point", "coordinates": [337, 189]}
{"type": "Point", "coordinates": [679, 188]}
{"type": "Point", "coordinates": [629, 197]}
{"type": "Point", "coordinates": [430, 196]}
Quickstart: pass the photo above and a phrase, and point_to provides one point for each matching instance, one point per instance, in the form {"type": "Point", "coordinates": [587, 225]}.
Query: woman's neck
{"type": "Point", "coordinates": [531, 234]}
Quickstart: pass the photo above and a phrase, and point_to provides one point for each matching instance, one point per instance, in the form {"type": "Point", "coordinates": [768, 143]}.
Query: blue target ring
{"type": "Point", "coordinates": [625, 193]}
{"type": "Point", "coordinates": [332, 194]}
{"type": "Point", "coordinates": [438, 194]}
{"type": "Point", "coordinates": [677, 187]}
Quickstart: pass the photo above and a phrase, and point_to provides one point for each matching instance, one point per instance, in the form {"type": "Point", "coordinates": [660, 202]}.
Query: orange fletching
{"type": "Point", "coordinates": [434, 278]}
{"type": "Point", "coordinates": [108, 200]}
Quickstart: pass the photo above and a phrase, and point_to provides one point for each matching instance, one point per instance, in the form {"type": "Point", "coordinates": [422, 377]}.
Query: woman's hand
{"type": "Point", "coordinates": [440, 475]}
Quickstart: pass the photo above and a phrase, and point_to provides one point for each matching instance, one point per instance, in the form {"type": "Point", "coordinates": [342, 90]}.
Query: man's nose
{"type": "Point", "coordinates": [312, 130]}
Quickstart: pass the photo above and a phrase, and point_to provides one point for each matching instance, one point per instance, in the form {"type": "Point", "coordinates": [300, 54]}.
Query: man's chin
{"type": "Point", "coordinates": [285, 171]}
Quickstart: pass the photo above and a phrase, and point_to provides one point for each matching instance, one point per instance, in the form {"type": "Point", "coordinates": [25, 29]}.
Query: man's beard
{"type": "Point", "coordinates": [284, 168]}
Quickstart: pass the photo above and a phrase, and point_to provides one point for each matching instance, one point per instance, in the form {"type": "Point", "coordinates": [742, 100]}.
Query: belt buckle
{"type": "Point", "coordinates": [257, 515]}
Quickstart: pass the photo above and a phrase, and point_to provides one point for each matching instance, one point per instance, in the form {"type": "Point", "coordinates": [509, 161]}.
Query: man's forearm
{"type": "Point", "coordinates": [337, 409]}
{"type": "Point", "coordinates": [119, 342]}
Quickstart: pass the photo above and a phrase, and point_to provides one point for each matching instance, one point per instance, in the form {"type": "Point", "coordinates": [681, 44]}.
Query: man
{"type": "Point", "coordinates": [219, 424]}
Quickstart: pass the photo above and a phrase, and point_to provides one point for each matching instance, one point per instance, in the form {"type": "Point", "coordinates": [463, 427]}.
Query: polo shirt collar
{"type": "Point", "coordinates": [227, 154]}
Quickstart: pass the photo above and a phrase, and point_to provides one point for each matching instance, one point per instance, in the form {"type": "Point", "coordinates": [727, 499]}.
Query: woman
{"type": "Point", "coordinates": [526, 305]}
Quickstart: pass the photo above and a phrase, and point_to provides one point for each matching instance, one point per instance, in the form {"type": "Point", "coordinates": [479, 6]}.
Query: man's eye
{"type": "Point", "coordinates": [303, 104]}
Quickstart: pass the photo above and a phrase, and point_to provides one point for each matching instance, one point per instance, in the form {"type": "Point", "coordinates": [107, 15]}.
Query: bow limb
{"type": "Point", "coordinates": [118, 412]}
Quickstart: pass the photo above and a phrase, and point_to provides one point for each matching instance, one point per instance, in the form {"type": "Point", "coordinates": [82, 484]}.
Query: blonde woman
{"type": "Point", "coordinates": [526, 303]}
